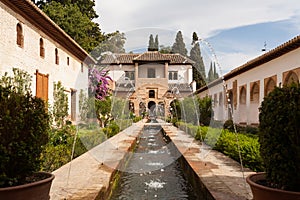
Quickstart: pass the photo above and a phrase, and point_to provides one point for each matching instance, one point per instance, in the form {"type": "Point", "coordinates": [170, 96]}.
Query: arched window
{"type": "Point", "coordinates": [220, 99]}
{"type": "Point", "coordinates": [42, 49]}
{"type": "Point", "coordinates": [56, 57]}
{"type": "Point", "coordinates": [254, 94]}
{"type": "Point", "coordinates": [269, 86]}
{"type": "Point", "coordinates": [243, 95]}
{"type": "Point", "coordinates": [291, 77]}
{"type": "Point", "coordinates": [20, 37]}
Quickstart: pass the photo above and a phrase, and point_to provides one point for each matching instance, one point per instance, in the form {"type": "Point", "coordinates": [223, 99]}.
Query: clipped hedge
{"type": "Point", "coordinates": [227, 142]}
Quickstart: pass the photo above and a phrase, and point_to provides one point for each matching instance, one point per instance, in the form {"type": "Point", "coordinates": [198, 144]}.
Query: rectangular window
{"type": "Point", "coordinates": [73, 105]}
{"type": "Point", "coordinates": [151, 73]}
{"type": "Point", "coordinates": [129, 74]}
{"type": "Point", "coordinates": [42, 86]}
{"type": "Point", "coordinates": [173, 75]}
{"type": "Point", "coordinates": [68, 61]}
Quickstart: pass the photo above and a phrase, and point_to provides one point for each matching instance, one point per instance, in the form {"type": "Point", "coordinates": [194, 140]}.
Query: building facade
{"type": "Point", "coordinates": [238, 95]}
{"type": "Point", "coordinates": [150, 81]}
{"type": "Point", "coordinates": [31, 41]}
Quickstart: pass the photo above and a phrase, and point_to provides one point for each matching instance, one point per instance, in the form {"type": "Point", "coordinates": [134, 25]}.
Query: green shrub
{"type": "Point", "coordinates": [279, 136]}
{"type": "Point", "coordinates": [229, 142]}
{"type": "Point", "coordinates": [24, 127]}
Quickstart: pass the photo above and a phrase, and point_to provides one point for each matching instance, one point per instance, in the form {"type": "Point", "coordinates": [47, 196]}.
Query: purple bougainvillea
{"type": "Point", "coordinates": [98, 83]}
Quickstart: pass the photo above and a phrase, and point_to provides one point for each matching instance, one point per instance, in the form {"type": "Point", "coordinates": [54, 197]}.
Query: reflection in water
{"type": "Point", "coordinates": [153, 172]}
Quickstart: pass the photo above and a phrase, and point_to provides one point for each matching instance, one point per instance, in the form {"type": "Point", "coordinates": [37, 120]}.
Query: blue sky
{"type": "Point", "coordinates": [236, 30]}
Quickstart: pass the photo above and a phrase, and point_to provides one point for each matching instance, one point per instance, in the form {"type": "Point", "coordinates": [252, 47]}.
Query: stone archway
{"type": "Point", "coordinates": [152, 108]}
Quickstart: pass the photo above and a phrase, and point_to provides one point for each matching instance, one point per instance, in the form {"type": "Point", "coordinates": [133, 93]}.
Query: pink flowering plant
{"type": "Point", "coordinates": [99, 83]}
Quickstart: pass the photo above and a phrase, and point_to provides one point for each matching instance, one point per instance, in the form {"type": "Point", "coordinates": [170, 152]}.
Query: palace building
{"type": "Point", "coordinates": [238, 95]}
{"type": "Point", "coordinates": [150, 81]}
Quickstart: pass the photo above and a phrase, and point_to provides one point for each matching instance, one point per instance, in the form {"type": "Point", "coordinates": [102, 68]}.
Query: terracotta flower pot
{"type": "Point", "coordinates": [31, 191]}
{"type": "Point", "coordinates": [261, 192]}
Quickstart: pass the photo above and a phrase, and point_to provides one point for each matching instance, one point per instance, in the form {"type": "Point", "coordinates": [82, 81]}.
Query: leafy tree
{"type": "Point", "coordinates": [156, 43]}
{"type": "Point", "coordinates": [151, 45]}
{"type": "Point", "coordinates": [206, 110]}
{"type": "Point", "coordinates": [179, 45]}
{"type": "Point", "coordinates": [60, 105]}
{"type": "Point", "coordinates": [165, 49]}
{"type": "Point", "coordinates": [113, 42]}
{"type": "Point", "coordinates": [198, 68]}
{"type": "Point", "coordinates": [75, 20]}
{"type": "Point", "coordinates": [86, 6]}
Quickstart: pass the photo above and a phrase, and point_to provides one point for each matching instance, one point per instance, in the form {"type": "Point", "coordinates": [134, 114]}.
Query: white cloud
{"type": "Point", "coordinates": [205, 17]}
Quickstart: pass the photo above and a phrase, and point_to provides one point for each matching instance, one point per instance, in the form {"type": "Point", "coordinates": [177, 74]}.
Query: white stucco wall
{"type": "Point", "coordinates": [28, 57]}
{"type": "Point", "coordinates": [249, 112]}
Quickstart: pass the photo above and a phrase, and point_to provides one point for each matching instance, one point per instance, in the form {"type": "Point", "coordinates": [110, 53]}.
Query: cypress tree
{"type": "Point", "coordinates": [156, 43]}
{"type": "Point", "coordinates": [216, 75]}
{"type": "Point", "coordinates": [151, 45]}
{"type": "Point", "coordinates": [210, 73]}
{"type": "Point", "coordinates": [198, 67]}
{"type": "Point", "coordinates": [179, 45]}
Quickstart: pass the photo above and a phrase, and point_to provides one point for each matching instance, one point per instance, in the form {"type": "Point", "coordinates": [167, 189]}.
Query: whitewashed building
{"type": "Point", "coordinates": [150, 80]}
{"type": "Point", "coordinates": [31, 41]}
{"type": "Point", "coordinates": [247, 85]}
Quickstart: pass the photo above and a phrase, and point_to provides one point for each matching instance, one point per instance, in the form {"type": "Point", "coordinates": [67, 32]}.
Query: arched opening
{"type": "Point", "coordinates": [243, 95]}
{"type": "Point", "coordinates": [42, 49]}
{"type": "Point", "coordinates": [152, 108]}
{"type": "Point", "coordinates": [56, 56]}
{"type": "Point", "coordinates": [269, 86]}
{"type": "Point", "coordinates": [291, 78]}
{"type": "Point", "coordinates": [20, 38]}
{"type": "Point", "coordinates": [254, 94]}
{"type": "Point", "coordinates": [230, 104]}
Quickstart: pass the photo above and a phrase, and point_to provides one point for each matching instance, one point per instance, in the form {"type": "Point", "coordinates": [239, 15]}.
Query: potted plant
{"type": "Point", "coordinates": [24, 126]}
{"type": "Point", "coordinates": [279, 138]}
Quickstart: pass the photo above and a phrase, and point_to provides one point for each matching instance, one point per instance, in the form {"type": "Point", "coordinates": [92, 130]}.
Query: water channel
{"type": "Point", "coordinates": [153, 171]}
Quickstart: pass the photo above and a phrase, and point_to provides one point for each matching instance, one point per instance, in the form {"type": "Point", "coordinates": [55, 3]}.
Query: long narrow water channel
{"type": "Point", "coordinates": [153, 171]}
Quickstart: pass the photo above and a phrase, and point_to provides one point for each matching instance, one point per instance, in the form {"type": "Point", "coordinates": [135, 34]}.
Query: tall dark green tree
{"type": "Point", "coordinates": [199, 74]}
{"type": "Point", "coordinates": [195, 38]}
{"type": "Point", "coordinates": [210, 75]}
{"type": "Point", "coordinates": [151, 45]}
{"type": "Point", "coordinates": [179, 45]}
{"type": "Point", "coordinates": [216, 75]}
{"type": "Point", "coordinates": [156, 43]}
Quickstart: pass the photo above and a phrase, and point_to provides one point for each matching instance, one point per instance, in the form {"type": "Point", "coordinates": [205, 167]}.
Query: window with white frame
{"type": "Point", "coordinates": [173, 75]}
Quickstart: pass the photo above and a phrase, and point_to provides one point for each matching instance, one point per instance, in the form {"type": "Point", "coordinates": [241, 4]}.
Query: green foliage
{"type": "Point", "coordinates": [151, 45]}
{"type": "Point", "coordinates": [60, 105]}
{"type": "Point", "coordinates": [24, 126]}
{"type": "Point", "coordinates": [165, 49]}
{"type": "Point", "coordinates": [103, 111]}
{"type": "Point", "coordinates": [199, 74]}
{"type": "Point", "coordinates": [179, 45]}
{"type": "Point", "coordinates": [112, 42]}
{"type": "Point", "coordinates": [156, 43]}
{"type": "Point", "coordinates": [206, 111]}
{"type": "Point", "coordinates": [227, 142]}
{"type": "Point", "coordinates": [83, 105]}
{"type": "Point", "coordinates": [76, 21]}
{"type": "Point", "coordinates": [112, 129]}
{"type": "Point", "coordinates": [279, 136]}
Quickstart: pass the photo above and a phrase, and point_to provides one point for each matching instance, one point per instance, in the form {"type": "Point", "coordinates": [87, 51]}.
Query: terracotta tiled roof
{"type": "Point", "coordinates": [149, 56]}
{"type": "Point", "coordinates": [256, 62]}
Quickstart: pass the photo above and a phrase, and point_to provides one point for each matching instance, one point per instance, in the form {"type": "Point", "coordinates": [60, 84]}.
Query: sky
{"type": "Point", "coordinates": [232, 32]}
